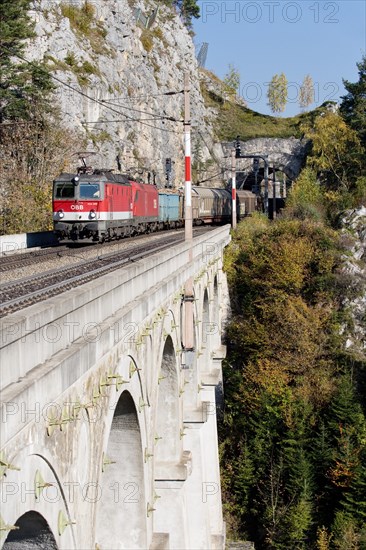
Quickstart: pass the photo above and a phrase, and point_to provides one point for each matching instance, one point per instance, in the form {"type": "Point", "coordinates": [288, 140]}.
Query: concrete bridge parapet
{"type": "Point", "coordinates": [109, 439]}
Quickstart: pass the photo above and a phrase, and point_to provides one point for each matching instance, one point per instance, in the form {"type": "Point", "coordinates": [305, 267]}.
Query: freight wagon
{"type": "Point", "coordinates": [170, 209]}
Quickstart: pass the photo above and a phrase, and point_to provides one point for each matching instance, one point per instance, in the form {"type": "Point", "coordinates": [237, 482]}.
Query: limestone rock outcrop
{"type": "Point", "coordinates": [354, 229]}
{"type": "Point", "coordinates": [123, 83]}
{"type": "Point", "coordinates": [120, 86]}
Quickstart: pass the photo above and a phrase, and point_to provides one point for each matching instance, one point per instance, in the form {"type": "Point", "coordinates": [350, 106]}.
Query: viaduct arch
{"type": "Point", "coordinates": [110, 436]}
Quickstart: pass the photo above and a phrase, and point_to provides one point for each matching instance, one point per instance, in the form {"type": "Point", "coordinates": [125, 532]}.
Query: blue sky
{"type": "Point", "coordinates": [261, 38]}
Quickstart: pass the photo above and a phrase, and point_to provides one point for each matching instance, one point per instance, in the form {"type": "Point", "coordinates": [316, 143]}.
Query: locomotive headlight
{"type": "Point", "coordinates": [60, 214]}
{"type": "Point", "coordinates": [92, 214]}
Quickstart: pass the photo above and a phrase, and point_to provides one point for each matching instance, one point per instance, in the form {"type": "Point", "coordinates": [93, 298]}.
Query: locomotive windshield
{"type": "Point", "coordinates": [89, 191]}
{"type": "Point", "coordinates": [64, 190]}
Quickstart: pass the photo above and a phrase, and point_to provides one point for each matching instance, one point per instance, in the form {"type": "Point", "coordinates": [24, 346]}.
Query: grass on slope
{"type": "Point", "coordinates": [234, 119]}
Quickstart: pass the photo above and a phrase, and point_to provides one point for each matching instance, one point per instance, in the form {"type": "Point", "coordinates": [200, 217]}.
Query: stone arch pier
{"type": "Point", "coordinates": [109, 436]}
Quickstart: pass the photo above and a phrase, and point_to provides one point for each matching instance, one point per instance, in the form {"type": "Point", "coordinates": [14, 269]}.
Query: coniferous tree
{"type": "Point", "coordinates": [23, 85]}
{"type": "Point", "coordinates": [353, 106]}
{"type": "Point", "coordinates": [189, 9]}
{"type": "Point", "coordinates": [295, 429]}
{"type": "Point", "coordinates": [346, 473]}
{"type": "Point", "coordinates": [351, 406]}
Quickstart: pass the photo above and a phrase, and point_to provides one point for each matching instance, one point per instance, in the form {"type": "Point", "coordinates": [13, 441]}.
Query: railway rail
{"type": "Point", "coordinates": [27, 291]}
{"type": "Point", "coordinates": [15, 261]}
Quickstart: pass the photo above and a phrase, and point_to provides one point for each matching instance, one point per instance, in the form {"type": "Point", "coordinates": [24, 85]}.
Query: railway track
{"type": "Point", "coordinates": [16, 261]}
{"type": "Point", "coordinates": [30, 290]}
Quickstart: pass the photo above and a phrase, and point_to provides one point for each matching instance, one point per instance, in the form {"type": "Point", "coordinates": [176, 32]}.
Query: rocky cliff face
{"type": "Point", "coordinates": [122, 82]}
{"type": "Point", "coordinates": [119, 68]}
{"type": "Point", "coordinates": [354, 229]}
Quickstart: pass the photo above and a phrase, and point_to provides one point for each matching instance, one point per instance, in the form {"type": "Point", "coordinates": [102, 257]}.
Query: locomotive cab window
{"type": "Point", "coordinates": [89, 191]}
{"type": "Point", "coordinates": [64, 190]}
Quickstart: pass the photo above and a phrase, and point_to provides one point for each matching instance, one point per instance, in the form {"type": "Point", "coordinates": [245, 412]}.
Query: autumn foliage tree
{"type": "Point", "coordinates": [31, 156]}
{"type": "Point", "coordinates": [306, 93]}
{"type": "Point", "coordinates": [337, 162]}
{"type": "Point", "coordinates": [336, 149]}
{"type": "Point", "coordinates": [34, 147]}
{"type": "Point", "coordinates": [292, 443]}
{"type": "Point", "coordinates": [277, 93]}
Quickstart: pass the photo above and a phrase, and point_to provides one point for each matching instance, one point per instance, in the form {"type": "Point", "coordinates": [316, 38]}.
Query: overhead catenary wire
{"type": "Point", "coordinates": [163, 117]}
{"type": "Point", "coordinates": [142, 97]}
{"type": "Point", "coordinates": [137, 120]}
{"type": "Point", "coordinates": [131, 119]}
{"type": "Point", "coordinates": [104, 103]}
{"type": "Point", "coordinates": [211, 177]}
{"type": "Point", "coordinates": [19, 123]}
{"type": "Point", "coordinates": [90, 98]}
{"type": "Point", "coordinates": [208, 148]}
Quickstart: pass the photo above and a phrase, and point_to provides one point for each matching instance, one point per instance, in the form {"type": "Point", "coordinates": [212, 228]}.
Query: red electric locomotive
{"type": "Point", "coordinates": [98, 205]}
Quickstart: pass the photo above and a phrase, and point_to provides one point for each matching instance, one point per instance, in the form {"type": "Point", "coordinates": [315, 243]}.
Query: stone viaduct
{"type": "Point", "coordinates": [108, 434]}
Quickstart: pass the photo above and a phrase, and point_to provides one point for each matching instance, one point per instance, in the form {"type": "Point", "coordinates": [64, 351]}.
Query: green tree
{"type": "Point", "coordinates": [306, 96]}
{"type": "Point", "coordinates": [232, 80]}
{"type": "Point", "coordinates": [277, 93]}
{"type": "Point", "coordinates": [22, 84]}
{"type": "Point", "coordinates": [306, 199]}
{"type": "Point", "coordinates": [336, 152]}
{"type": "Point", "coordinates": [189, 9]}
{"type": "Point", "coordinates": [353, 106]}
{"type": "Point", "coordinates": [279, 378]}
{"type": "Point", "coordinates": [345, 532]}
{"type": "Point", "coordinates": [347, 429]}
